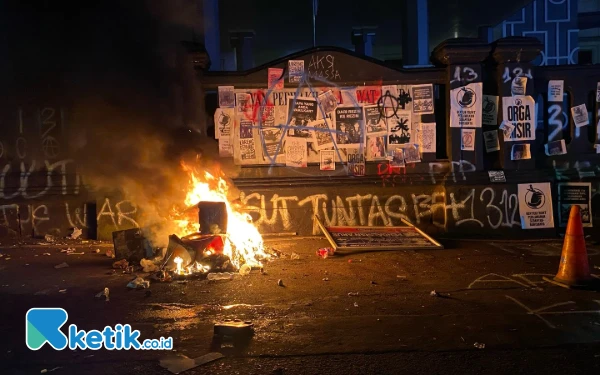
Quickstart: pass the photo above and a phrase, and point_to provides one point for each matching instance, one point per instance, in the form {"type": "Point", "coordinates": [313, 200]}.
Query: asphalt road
{"type": "Point", "coordinates": [360, 313]}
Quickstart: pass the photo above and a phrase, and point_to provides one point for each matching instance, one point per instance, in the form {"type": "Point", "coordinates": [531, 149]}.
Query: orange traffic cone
{"type": "Point", "coordinates": [573, 270]}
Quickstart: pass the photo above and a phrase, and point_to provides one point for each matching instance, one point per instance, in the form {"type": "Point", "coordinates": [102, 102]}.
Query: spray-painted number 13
{"type": "Point", "coordinates": [468, 74]}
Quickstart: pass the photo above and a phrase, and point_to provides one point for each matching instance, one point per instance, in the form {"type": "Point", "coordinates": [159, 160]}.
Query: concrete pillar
{"type": "Point", "coordinates": [415, 33]}
{"type": "Point", "coordinates": [212, 34]}
{"type": "Point", "coordinates": [242, 43]}
{"type": "Point", "coordinates": [363, 39]}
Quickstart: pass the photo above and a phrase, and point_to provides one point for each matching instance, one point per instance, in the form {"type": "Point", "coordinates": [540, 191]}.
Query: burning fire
{"type": "Point", "coordinates": [243, 244]}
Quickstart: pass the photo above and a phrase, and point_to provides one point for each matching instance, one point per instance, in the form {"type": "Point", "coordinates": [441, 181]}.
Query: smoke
{"type": "Point", "coordinates": [136, 108]}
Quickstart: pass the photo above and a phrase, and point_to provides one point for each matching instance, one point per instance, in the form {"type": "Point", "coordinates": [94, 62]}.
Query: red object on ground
{"type": "Point", "coordinates": [324, 252]}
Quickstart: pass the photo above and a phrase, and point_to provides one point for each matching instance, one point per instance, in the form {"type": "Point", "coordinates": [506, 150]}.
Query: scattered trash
{"type": "Point", "coordinates": [49, 238]}
{"type": "Point", "coordinates": [352, 294]}
{"type": "Point", "coordinates": [294, 256]}
{"type": "Point", "coordinates": [62, 265]}
{"type": "Point", "coordinates": [46, 254]}
{"type": "Point", "coordinates": [7, 258]}
{"type": "Point", "coordinates": [355, 304]}
{"type": "Point", "coordinates": [62, 290]}
{"type": "Point", "coordinates": [245, 269]}
{"type": "Point", "coordinates": [123, 263]}
{"type": "Point", "coordinates": [220, 276]}
{"type": "Point", "coordinates": [325, 252]}
{"type": "Point", "coordinates": [434, 293]}
{"type": "Point", "coordinates": [598, 267]}
{"type": "Point", "coordinates": [26, 264]}
{"type": "Point", "coordinates": [148, 265]}
{"type": "Point", "coordinates": [72, 253]}
{"type": "Point", "coordinates": [104, 293]}
{"type": "Point", "coordinates": [97, 251]}
{"type": "Point", "coordinates": [401, 277]}
{"type": "Point", "coordinates": [110, 253]}
{"type": "Point", "coordinates": [46, 370]}
{"type": "Point", "coordinates": [326, 279]}
{"type": "Point", "coordinates": [180, 363]}
{"type": "Point", "coordinates": [373, 282]}
{"type": "Point", "coordinates": [44, 292]}
{"type": "Point", "coordinates": [280, 282]}
{"type": "Point", "coordinates": [234, 328]}
{"type": "Point", "coordinates": [1, 255]}
{"type": "Point", "coordinates": [139, 283]}
{"type": "Point", "coordinates": [479, 345]}
{"type": "Point", "coordinates": [76, 233]}
{"type": "Point", "coordinates": [462, 339]}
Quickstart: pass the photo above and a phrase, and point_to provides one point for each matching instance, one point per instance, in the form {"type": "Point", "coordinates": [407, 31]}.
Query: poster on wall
{"type": "Point", "coordinates": [556, 148]}
{"type": "Point", "coordinates": [275, 80]}
{"type": "Point", "coordinates": [295, 71]}
{"type": "Point", "coordinates": [598, 92]}
{"type": "Point", "coordinates": [368, 94]}
{"type": "Point", "coordinates": [520, 151]}
{"type": "Point", "coordinates": [301, 112]}
{"type": "Point", "coordinates": [375, 120]}
{"type": "Point", "coordinates": [535, 205]}
{"type": "Point", "coordinates": [246, 129]}
{"type": "Point", "coordinates": [327, 160]}
{"type": "Point", "coordinates": [349, 124]}
{"type": "Point", "coordinates": [411, 153]}
{"type": "Point", "coordinates": [492, 143]}
{"type": "Point", "coordinates": [327, 102]}
{"type": "Point", "coordinates": [376, 147]}
{"type": "Point", "coordinates": [519, 111]}
{"type": "Point", "coordinates": [580, 115]}
{"type": "Point", "coordinates": [555, 91]}
{"type": "Point", "coordinates": [399, 127]}
{"type": "Point", "coordinates": [396, 157]}
{"type": "Point", "coordinates": [272, 142]}
{"type": "Point", "coordinates": [223, 121]}
{"type": "Point", "coordinates": [247, 150]}
{"type": "Point", "coordinates": [322, 134]}
{"type": "Point", "coordinates": [226, 96]}
{"type": "Point", "coordinates": [575, 193]}
{"type": "Point", "coordinates": [296, 153]}
{"type": "Point", "coordinates": [404, 98]}
{"type": "Point", "coordinates": [348, 96]}
{"type": "Point", "coordinates": [518, 86]}
{"type": "Point", "coordinates": [427, 141]}
{"type": "Point", "coordinates": [356, 162]}
{"type": "Point", "coordinates": [422, 99]}
{"type": "Point", "coordinates": [465, 106]}
{"type": "Point", "coordinates": [389, 95]}
{"type": "Point", "coordinates": [225, 147]}
{"type": "Point", "coordinates": [489, 110]}
{"type": "Point", "coordinates": [467, 139]}
{"type": "Point", "coordinates": [243, 104]}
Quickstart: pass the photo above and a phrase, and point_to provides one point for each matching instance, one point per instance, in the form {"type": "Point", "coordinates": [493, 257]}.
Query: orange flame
{"type": "Point", "coordinates": [243, 244]}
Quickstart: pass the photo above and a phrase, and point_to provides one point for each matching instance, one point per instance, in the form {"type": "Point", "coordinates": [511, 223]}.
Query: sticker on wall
{"type": "Point", "coordinates": [467, 140]}
{"type": "Point", "coordinates": [301, 112]}
{"type": "Point", "coordinates": [323, 134]}
{"type": "Point", "coordinates": [295, 71]}
{"type": "Point", "coordinates": [376, 147]}
{"type": "Point", "coordinates": [404, 98]}
{"type": "Point", "coordinates": [275, 79]}
{"type": "Point", "coordinates": [427, 141]}
{"type": "Point", "coordinates": [411, 153]}
{"type": "Point", "coordinates": [375, 120]}
{"type": "Point", "coordinates": [489, 110]}
{"type": "Point", "coordinates": [327, 160]}
{"type": "Point", "coordinates": [555, 91]}
{"type": "Point", "coordinates": [506, 129]}
{"type": "Point", "coordinates": [246, 129]}
{"type": "Point", "coordinates": [247, 150]}
{"type": "Point", "coordinates": [396, 157]}
{"type": "Point", "coordinates": [518, 86]}
{"type": "Point", "coordinates": [226, 96]}
{"type": "Point", "coordinates": [492, 143]}
{"type": "Point", "coordinates": [520, 151]}
{"type": "Point", "coordinates": [327, 102]}
{"type": "Point", "coordinates": [497, 176]}
{"type": "Point", "coordinates": [465, 106]}
{"type": "Point", "coordinates": [399, 127]}
{"type": "Point", "coordinates": [580, 115]}
{"type": "Point", "coordinates": [243, 104]}
{"type": "Point", "coordinates": [296, 153]}
{"type": "Point", "coordinates": [519, 111]}
{"type": "Point", "coordinates": [575, 193]}
{"type": "Point", "coordinates": [356, 162]}
{"type": "Point", "coordinates": [272, 142]}
{"type": "Point", "coordinates": [598, 92]}
{"type": "Point", "coordinates": [535, 205]}
{"type": "Point", "coordinates": [555, 148]}
{"type": "Point", "coordinates": [225, 147]}
{"type": "Point", "coordinates": [349, 124]}
{"type": "Point", "coordinates": [422, 99]}
{"type": "Point", "coordinates": [223, 122]}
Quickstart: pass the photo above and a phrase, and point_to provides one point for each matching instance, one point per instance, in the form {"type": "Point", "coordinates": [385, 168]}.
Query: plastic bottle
{"type": "Point", "coordinates": [220, 276]}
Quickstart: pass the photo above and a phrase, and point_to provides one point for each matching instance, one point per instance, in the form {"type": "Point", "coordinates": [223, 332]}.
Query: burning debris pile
{"type": "Point", "coordinates": [223, 239]}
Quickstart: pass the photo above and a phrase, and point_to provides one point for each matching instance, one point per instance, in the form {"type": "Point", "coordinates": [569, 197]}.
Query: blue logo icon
{"type": "Point", "coordinates": [42, 325]}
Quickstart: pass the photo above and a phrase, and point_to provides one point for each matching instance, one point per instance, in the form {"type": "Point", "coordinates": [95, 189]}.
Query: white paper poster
{"type": "Point", "coordinates": [555, 91]}
{"type": "Point", "coordinates": [489, 113]}
{"type": "Point", "coordinates": [225, 147]}
{"type": "Point", "coordinates": [467, 140]}
{"type": "Point", "coordinates": [492, 143]}
{"type": "Point", "coordinates": [226, 96]}
{"type": "Point", "coordinates": [223, 122]}
{"type": "Point", "coordinates": [356, 162]}
{"type": "Point", "coordinates": [519, 111]}
{"type": "Point", "coordinates": [506, 129]}
{"type": "Point", "coordinates": [580, 115]}
{"type": "Point", "coordinates": [295, 70]}
{"type": "Point", "coordinates": [390, 91]}
{"type": "Point", "coordinates": [465, 106]}
{"type": "Point", "coordinates": [422, 99]}
{"type": "Point", "coordinates": [535, 206]}
{"type": "Point", "coordinates": [376, 147]}
{"type": "Point", "coordinates": [427, 141]}
{"type": "Point", "coordinates": [327, 160]}
{"type": "Point", "coordinates": [296, 153]}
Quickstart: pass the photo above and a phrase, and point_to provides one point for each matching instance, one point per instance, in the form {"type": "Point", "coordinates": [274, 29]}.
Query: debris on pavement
{"type": "Point", "coordinates": [110, 253]}
{"type": "Point", "coordinates": [49, 238]}
{"type": "Point", "coordinates": [104, 293]}
{"type": "Point", "coordinates": [46, 370]}
{"type": "Point", "coordinates": [280, 282]}
{"type": "Point", "coordinates": [325, 252]}
{"type": "Point", "coordinates": [62, 265]}
{"type": "Point", "coordinates": [294, 256]}
{"type": "Point", "coordinates": [401, 277]}
{"type": "Point", "coordinates": [123, 263]}
{"type": "Point", "coordinates": [598, 267]}
{"type": "Point", "coordinates": [180, 363]}
{"type": "Point", "coordinates": [97, 251]}
{"type": "Point", "coordinates": [355, 304]}
{"type": "Point", "coordinates": [234, 328]}
{"type": "Point", "coordinates": [245, 269]}
{"type": "Point", "coordinates": [139, 283]}
{"type": "Point", "coordinates": [46, 254]}
{"type": "Point", "coordinates": [7, 258]}
{"type": "Point", "coordinates": [434, 293]}
{"type": "Point", "coordinates": [220, 276]}
{"type": "Point", "coordinates": [76, 233]}
{"type": "Point", "coordinates": [148, 265]}
{"type": "Point", "coordinates": [373, 282]}
{"type": "Point", "coordinates": [62, 291]}
{"type": "Point", "coordinates": [479, 345]}
{"type": "Point", "coordinates": [352, 294]}
{"type": "Point", "coordinates": [73, 253]}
